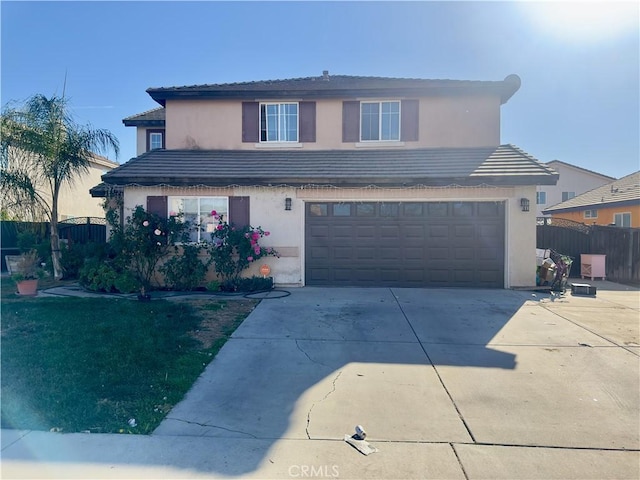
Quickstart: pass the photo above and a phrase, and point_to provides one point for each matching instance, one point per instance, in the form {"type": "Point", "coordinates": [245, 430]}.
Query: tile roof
{"type": "Point", "coordinates": [335, 86]}
{"type": "Point", "coordinates": [625, 191]}
{"type": "Point", "coordinates": [154, 117]}
{"type": "Point", "coordinates": [502, 165]}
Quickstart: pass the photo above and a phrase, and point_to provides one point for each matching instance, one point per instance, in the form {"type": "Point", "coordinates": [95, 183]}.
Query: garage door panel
{"type": "Point", "coordinates": [406, 244]}
{"type": "Point", "coordinates": [342, 253]}
{"type": "Point", "coordinates": [319, 231]}
{"type": "Point", "coordinates": [319, 253]}
{"type": "Point", "coordinates": [390, 232]}
{"type": "Point", "coordinates": [463, 253]}
{"type": "Point", "coordinates": [341, 231]}
{"type": "Point", "coordinates": [390, 253]}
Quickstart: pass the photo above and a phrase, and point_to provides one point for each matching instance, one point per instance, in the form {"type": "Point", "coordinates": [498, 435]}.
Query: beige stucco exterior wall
{"type": "Point", "coordinates": [444, 122]}
{"type": "Point", "coordinates": [287, 227]}
{"type": "Point", "coordinates": [76, 201]}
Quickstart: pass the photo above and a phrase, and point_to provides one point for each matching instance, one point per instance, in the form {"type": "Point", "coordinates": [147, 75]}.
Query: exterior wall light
{"type": "Point", "coordinates": [287, 203]}
{"type": "Point", "coordinates": [524, 204]}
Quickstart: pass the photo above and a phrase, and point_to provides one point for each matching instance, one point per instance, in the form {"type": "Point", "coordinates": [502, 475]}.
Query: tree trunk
{"type": "Point", "coordinates": [55, 239]}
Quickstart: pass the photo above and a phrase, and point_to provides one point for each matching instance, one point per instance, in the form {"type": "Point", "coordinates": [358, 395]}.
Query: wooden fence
{"type": "Point", "coordinates": [620, 245]}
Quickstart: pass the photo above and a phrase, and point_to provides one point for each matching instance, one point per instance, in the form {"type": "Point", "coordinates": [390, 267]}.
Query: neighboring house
{"type": "Point", "coordinates": [616, 203]}
{"type": "Point", "coordinates": [75, 199]}
{"type": "Point", "coordinates": [362, 181]}
{"type": "Point", "coordinates": [573, 181]}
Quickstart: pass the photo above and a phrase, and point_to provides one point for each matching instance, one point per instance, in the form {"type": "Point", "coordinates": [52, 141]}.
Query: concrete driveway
{"type": "Point", "coordinates": [448, 383]}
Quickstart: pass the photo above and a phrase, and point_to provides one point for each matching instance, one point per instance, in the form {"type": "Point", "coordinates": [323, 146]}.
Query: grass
{"type": "Point", "coordinates": [91, 364]}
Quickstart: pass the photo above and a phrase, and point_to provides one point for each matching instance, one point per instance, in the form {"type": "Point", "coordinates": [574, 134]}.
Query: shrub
{"type": "Point", "coordinates": [100, 276]}
{"type": "Point", "coordinates": [185, 271]}
{"type": "Point", "coordinates": [143, 241]}
{"type": "Point", "coordinates": [234, 249]}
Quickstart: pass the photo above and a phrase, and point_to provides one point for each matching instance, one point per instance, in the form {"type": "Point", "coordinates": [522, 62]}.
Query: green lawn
{"type": "Point", "coordinates": [92, 364]}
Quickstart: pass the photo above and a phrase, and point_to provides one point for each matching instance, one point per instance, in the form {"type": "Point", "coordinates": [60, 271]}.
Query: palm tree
{"type": "Point", "coordinates": [43, 149]}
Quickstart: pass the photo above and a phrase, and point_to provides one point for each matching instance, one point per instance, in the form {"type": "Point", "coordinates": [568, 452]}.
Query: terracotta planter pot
{"type": "Point", "coordinates": [28, 287]}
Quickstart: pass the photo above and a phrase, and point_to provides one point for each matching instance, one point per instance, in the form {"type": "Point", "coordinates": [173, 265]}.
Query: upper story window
{"type": "Point", "coordinates": [155, 139]}
{"type": "Point", "coordinates": [541, 198]}
{"type": "Point", "coordinates": [279, 122]}
{"type": "Point", "coordinates": [568, 196]}
{"type": "Point", "coordinates": [380, 121]}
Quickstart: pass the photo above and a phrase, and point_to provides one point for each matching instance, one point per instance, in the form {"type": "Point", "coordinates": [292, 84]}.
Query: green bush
{"type": "Point", "coordinates": [101, 276]}
{"type": "Point", "coordinates": [74, 256]}
{"type": "Point", "coordinates": [185, 271]}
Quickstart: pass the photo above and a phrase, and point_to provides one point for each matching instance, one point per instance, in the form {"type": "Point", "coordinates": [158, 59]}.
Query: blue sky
{"type": "Point", "coordinates": [579, 62]}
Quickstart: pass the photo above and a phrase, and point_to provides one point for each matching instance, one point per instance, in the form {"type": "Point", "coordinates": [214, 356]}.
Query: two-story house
{"type": "Point", "coordinates": [363, 181]}
{"type": "Point", "coordinates": [616, 203]}
{"type": "Point", "coordinates": [573, 181]}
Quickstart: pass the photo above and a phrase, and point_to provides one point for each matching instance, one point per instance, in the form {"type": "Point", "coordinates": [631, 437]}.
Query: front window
{"type": "Point", "coordinates": [622, 220]}
{"type": "Point", "coordinates": [591, 214]}
{"type": "Point", "coordinates": [380, 121]}
{"type": "Point", "coordinates": [197, 211]}
{"type": "Point", "coordinates": [541, 198]}
{"type": "Point", "coordinates": [568, 196]}
{"type": "Point", "coordinates": [279, 122]}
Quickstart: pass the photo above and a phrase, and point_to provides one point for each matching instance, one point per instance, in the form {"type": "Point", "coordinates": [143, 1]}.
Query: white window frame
{"type": "Point", "coordinates": [281, 121]}
{"type": "Point", "coordinates": [381, 120]}
{"type": "Point", "coordinates": [203, 224]}
{"type": "Point", "coordinates": [622, 216]}
{"type": "Point", "coordinates": [568, 196]}
{"type": "Point", "coordinates": [153, 135]}
{"type": "Point", "coordinates": [541, 198]}
{"type": "Point", "coordinates": [591, 213]}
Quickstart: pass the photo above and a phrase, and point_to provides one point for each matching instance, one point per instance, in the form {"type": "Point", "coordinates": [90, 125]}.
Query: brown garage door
{"type": "Point", "coordinates": [405, 244]}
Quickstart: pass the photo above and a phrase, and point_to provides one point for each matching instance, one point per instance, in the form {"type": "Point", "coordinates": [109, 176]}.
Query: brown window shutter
{"type": "Point", "coordinates": [351, 121]}
{"type": "Point", "coordinates": [307, 121]}
{"type": "Point", "coordinates": [410, 120]}
{"type": "Point", "coordinates": [239, 211]}
{"type": "Point", "coordinates": [157, 205]}
{"type": "Point", "coordinates": [250, 119]}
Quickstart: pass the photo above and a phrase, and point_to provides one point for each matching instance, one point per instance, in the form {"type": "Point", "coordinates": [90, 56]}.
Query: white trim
{"type": "Point", "coordinates": [279, 145]}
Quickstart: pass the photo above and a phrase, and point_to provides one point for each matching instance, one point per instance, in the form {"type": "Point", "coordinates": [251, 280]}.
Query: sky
{"type": "Point", "coordinates": [578, 61]}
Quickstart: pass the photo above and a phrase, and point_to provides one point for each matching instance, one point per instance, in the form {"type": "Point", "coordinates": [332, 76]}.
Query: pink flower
{"type": "Point", "coordinates": [256, 250]}
{"type": "Point", "coordinates": [157, 231]}
{"type": "Point", "coordinates": [266, 234]}
{"type": "Point", "coordinates": [145, 223]}
{"type": "Point", "coordinates": [213, 213]}
{"type": "Point", "coordinates": [219, 227]}
{"type": "Point", "coordinates": [255, 235]}
{"type": "Point", "coordinates": [246, 235]}
{"type": "Point", "coordinates": [250, 259]}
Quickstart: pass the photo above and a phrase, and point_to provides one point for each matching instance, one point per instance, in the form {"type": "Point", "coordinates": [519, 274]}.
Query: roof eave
{"type": "Point", "coordinates": [593, 206]}
{"type": "Point", "coordinates": [397, 182]}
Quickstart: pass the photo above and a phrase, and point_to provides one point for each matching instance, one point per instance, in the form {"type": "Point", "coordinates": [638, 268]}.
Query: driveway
{"type": "Point", "coordinates": [448, 383]}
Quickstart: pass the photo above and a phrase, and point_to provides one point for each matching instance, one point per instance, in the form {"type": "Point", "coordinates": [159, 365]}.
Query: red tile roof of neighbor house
{"type": "Point", "coordinates": [338, 86]}
{"type": "Point", "coordinates": [625, 191]}
{"type": "Point", "coordinates": [501, 166]}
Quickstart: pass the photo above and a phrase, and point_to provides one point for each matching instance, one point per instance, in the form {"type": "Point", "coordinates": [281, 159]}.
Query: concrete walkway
{"type": "Point", "coordinates": [448, 383]}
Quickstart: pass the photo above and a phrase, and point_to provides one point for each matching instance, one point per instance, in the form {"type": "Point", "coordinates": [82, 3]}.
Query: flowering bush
{"type": "Point", "coordinates": [144, 240]}
{"type": "Point", "coordinates": [235, 249]}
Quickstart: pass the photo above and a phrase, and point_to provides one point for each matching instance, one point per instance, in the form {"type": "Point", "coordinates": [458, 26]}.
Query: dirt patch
{"type": "Point", "coordinates": [220, 318]}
